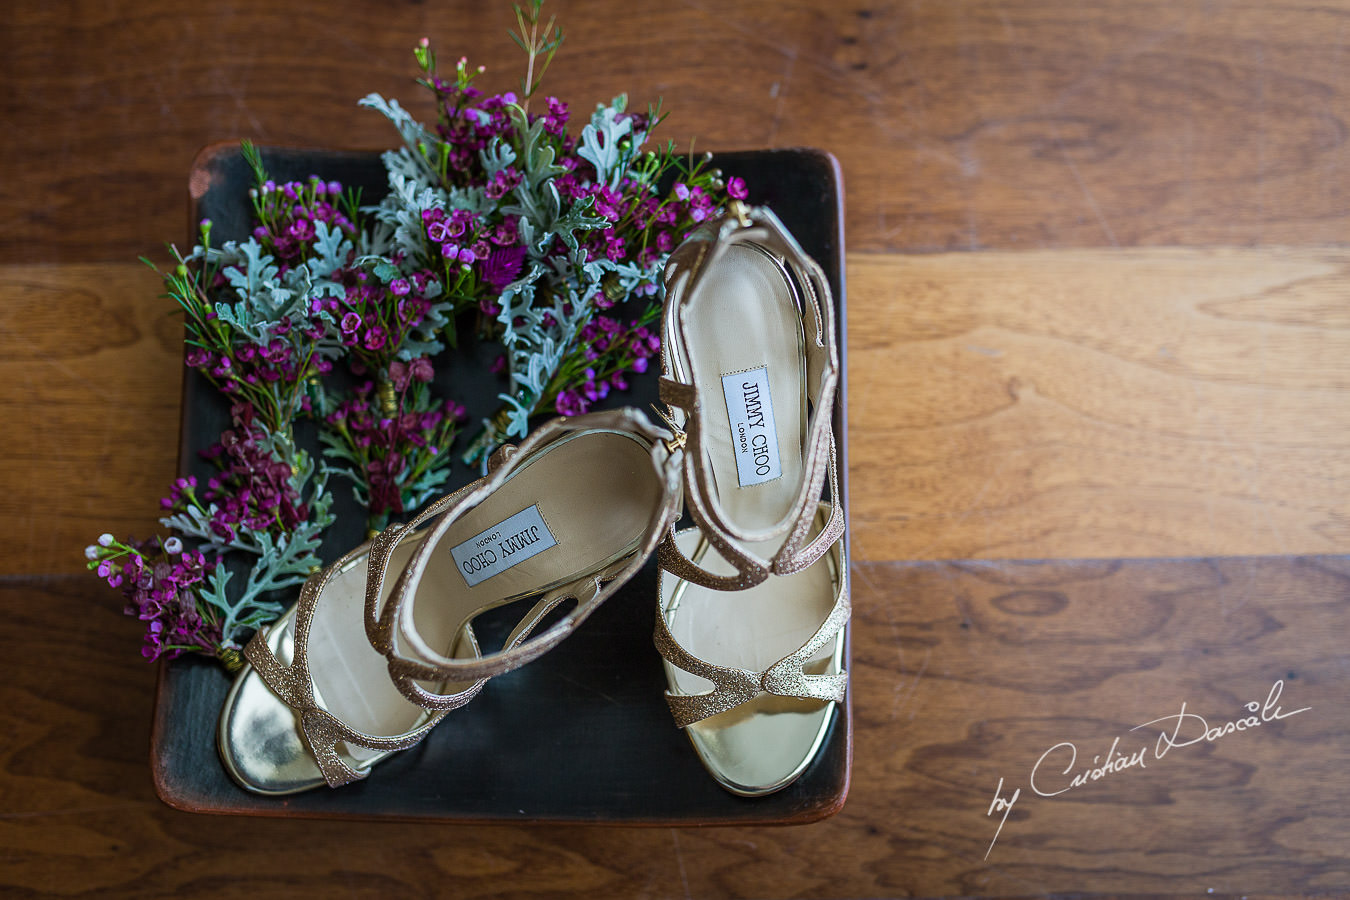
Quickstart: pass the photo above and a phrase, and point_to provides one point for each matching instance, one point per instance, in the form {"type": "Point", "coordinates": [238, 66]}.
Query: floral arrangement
{"type": "Point", "coordinates": [497, 219]}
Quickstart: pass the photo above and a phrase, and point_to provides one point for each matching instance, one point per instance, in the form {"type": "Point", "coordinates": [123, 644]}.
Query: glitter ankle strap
{"type": "Point", "coordinates": [760, 229]}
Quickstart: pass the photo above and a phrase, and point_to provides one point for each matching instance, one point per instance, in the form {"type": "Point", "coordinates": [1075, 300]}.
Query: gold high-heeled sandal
{"type": "Point", "coordinates": [754, 598]}
{"type": "Point", "coordinates": [380, 646]}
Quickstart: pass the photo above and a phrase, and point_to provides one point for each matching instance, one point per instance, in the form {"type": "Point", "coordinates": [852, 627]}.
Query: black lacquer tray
{"type": "Point", "coordinates": [581, 735]}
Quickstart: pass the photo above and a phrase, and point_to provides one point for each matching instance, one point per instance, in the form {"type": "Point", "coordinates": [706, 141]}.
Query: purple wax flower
{"type": "Point", "coordinates": [570, 403]}
{"type": "Point", "coordinates": [502, 267]}
{"type": "Point", "coordinates": [301, 230]}
{"type": "Point", "coordinates": [422, 370]}
{"type": "Point", "coordinates": [608, 203]}
{"type": "Point", "coordinates": [160, 589]}
{"type": "Point", "coordinates": [375, 338]}
{"type": "Point", "coordinates": [398, 375]}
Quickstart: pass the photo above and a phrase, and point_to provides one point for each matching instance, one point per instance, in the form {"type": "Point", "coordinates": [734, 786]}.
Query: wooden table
{"type": "Point", "coordinates": [1099, 370]}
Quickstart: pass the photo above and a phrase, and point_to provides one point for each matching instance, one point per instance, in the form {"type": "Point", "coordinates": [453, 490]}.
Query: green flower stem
{"type": "Point", "coordinates": [213, 335]}
{"type": "Point", "coordinates": [444, 437]}
{"type": "Point", "coordinates": [543, 43]}
{"type": "Point", "coordinates": [574, 365]}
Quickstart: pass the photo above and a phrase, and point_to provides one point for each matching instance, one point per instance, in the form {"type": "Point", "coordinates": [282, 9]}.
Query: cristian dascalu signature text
{"type": "Point", "coordinates": [1062, 768]}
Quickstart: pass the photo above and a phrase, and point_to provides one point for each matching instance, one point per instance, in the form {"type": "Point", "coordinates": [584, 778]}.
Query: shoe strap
{"type": "Point", "coordinates": [410, 664]}
{"type": "Point", "coordinates": [821, 463]}
{"type": "Point", "coordinates": [733, 686]}
{"type": "Point", "coordinates": [293, 684]}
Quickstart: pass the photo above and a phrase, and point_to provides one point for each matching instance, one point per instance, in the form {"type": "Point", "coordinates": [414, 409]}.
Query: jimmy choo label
{"type": "Point", "coordinates": [753, 435]}
{"type": "Point", "coordinates": [506, 544]}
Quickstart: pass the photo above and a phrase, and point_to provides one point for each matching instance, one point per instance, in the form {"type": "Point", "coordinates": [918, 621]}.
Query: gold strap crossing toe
{"type": "Point", "coordinates": [754, 597]}
{"type": "Point", "coordinates": [381, 646]}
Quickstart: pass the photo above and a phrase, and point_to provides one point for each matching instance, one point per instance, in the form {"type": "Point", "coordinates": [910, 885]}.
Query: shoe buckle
{"type": "Point", "coordinates": [678, 436]}
{"type": "Point", "coordinates": [740, 211]}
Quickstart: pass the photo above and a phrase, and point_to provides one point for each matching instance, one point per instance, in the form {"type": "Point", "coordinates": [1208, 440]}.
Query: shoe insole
{"type": "Point", "coordinates": [766, 741]}
{"type": "Point", "coordinates": [594, 494]}
{"type": "Point", "coordinates": [351, 680]}
{"type": "Point", "coordinates": [745, 346]}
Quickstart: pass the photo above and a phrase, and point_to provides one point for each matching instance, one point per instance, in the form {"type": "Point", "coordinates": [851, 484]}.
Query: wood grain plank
{"type": "Point", "coordinates": [93, 363]}
{"type": "Point", "coordinates": [976, 124]}
{"type": "Point", "coordinates": [964, 673]}
{"type": "Point", "coordinates": [1004, 405]}
{"type": "Point", "coordinates": [1099, 403]}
